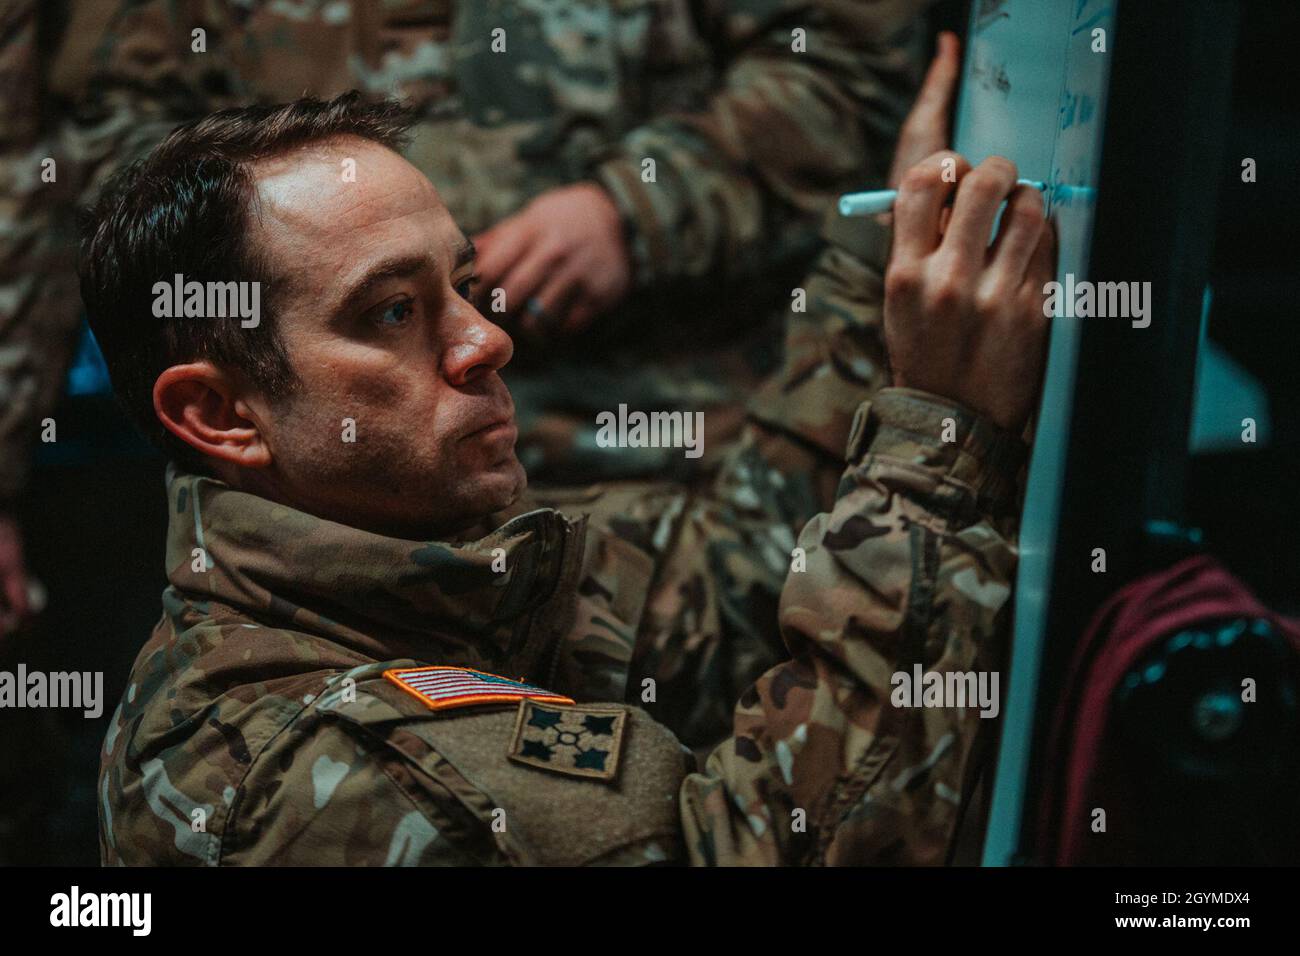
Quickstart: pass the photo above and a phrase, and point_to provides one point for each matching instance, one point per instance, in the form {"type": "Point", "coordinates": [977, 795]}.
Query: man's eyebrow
{"type": "Point", "coordinates": [400, 267]}
{"type": "Point", "coordinates": [465, 254]}
{"type": "Point", "coordinates": [397, 268]}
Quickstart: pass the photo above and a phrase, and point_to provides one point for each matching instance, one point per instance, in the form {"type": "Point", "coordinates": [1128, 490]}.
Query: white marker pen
{"type": "Point", "coordinates": [882, 200]}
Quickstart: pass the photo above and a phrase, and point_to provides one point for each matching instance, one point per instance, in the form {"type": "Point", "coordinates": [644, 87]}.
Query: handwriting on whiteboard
{"type": "Point", "coordinates": [991, 75]}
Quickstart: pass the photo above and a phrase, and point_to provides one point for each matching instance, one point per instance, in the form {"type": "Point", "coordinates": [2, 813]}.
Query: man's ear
{"type": "Point", "coordinates": [205, 407]}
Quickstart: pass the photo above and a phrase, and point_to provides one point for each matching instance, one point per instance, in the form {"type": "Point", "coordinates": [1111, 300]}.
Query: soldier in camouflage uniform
{"type": "Point", "coordinates": [261, 725]}
{"type": "Point", "coordinates": [321, 693]}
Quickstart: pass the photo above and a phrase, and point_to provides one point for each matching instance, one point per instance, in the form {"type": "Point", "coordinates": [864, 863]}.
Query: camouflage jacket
{"type": "Point", "coordinates": [269, 719]}
{"type": "Point", "coordinates": [39, 306]}
{"type": "Point", "coordinates": [755, 113]}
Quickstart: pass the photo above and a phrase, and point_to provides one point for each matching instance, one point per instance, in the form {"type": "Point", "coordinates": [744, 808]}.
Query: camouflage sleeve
{"type": "Point", "coordinates": [366, 775]}
{"type": "Point", "coordinates": [912, 568]}
{"type": "Point", "coordinates": [809, 106]}
{"type": "Point", "coordinates": [833, 354]}
{"type": "Point", "coordinates": [335, 797]}
{"type": "Point", "coordinates": [38, 294]}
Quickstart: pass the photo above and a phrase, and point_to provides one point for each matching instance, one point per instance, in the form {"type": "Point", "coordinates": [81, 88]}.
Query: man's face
{"type": "Point", "coordinates": [375, 322]}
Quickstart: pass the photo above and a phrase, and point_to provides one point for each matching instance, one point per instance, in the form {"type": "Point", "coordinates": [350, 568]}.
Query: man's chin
{"type": "Point", "coordinates": [517, 482]}
{"type": "Point", "coordinates": [414, 505]}
{"type": "Point", "coordinates": [493, 494]}
{"type": "Point", "coordinates": [497, 488]}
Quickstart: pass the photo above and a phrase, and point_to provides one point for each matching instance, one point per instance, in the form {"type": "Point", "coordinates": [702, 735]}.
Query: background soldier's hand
{"type": "Point", "coordinates": [925, 131]}
{"type": "Point", "coordinates": [964, 320]}
{"type": "Point", "coordinates": [562, 260]}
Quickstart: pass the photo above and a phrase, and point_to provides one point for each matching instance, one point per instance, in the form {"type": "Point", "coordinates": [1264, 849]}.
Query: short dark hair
{"type": "Point", "coordinates": [185, 209]}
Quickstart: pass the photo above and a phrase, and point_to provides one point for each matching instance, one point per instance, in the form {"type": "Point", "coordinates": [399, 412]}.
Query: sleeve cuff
{"type": "Point", "coordinates": [938, 451]}
{"type": "Point", "coordinates": [650, 250]}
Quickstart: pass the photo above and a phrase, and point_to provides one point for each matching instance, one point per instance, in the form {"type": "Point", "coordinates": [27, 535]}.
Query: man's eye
{"type": "Point", "coordinates": [395, 314]}
{"type": "Point", "coordinates": [466, 288]}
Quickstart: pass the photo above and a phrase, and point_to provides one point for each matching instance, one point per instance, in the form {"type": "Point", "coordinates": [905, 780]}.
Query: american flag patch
{"type": "Point", "coordinates": [442, 688]}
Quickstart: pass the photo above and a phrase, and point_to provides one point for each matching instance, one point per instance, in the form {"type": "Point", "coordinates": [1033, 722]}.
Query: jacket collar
{"type": "Point", "coordinates": [470, 603]}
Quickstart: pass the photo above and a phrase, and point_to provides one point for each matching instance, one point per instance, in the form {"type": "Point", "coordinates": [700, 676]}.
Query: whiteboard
{"type": "Point", "coordinates": [1034, 90]}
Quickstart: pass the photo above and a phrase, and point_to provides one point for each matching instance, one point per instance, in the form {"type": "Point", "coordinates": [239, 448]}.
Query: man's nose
{"type": "Point", "coordinates": [478, 347]}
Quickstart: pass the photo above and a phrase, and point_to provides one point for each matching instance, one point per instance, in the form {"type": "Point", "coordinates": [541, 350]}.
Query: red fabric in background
{"type": "Point", "coordinates": [1195, 592]}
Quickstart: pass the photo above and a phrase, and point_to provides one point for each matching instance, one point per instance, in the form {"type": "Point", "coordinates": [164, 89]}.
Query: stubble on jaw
{"type": "Point", "coordinates": [408, 497]}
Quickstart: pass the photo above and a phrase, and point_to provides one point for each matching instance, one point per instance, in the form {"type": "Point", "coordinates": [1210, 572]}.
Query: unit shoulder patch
{"type": "Point", "coordinates": [443, 688]}
{"type": "Point", "coordinates": [578, 741]}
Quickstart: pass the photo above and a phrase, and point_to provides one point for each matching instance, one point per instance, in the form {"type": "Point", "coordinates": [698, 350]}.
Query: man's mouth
{"type": "Point", "coordinates": [495, 428]}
